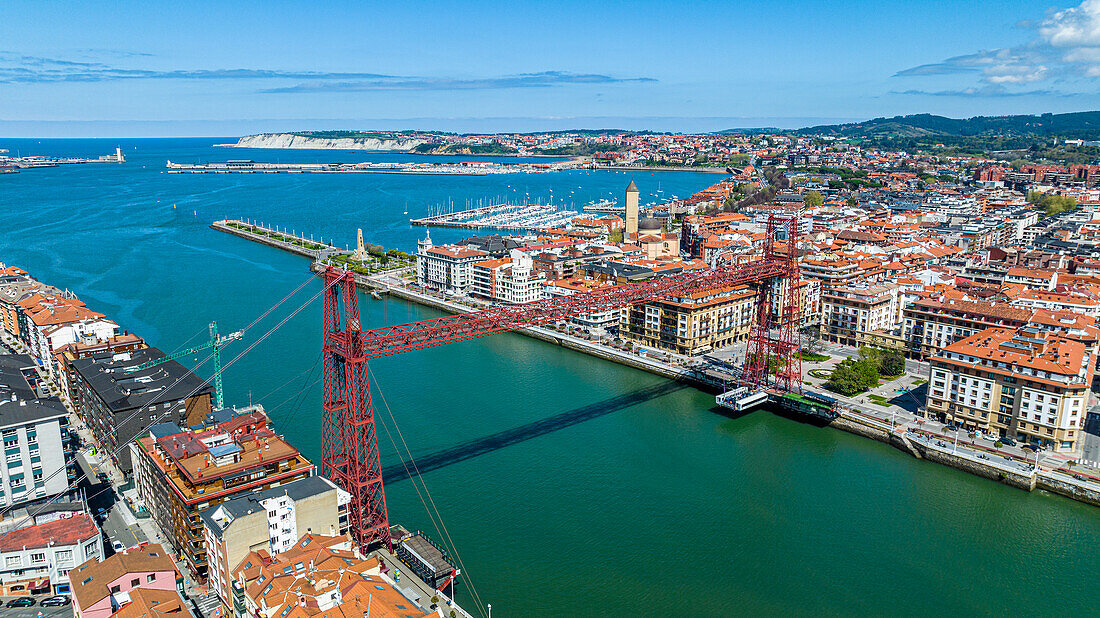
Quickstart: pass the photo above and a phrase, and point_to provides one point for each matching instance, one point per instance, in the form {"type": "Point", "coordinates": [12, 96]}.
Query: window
{"type": "Point", "coordinates": [64, 556]}
{"type": "Point", "coordinates": [13, 561]}
{"type": "Point", "coordinates": [150, 578]}
{"type": "Point", "coordinates": [115, 589]}
{"type": "Point", "coordinates": [38, 557]}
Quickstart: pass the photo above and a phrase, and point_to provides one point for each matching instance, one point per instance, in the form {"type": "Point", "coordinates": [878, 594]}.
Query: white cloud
{"type": "Point", "coordinates": [1066, 47]}
{"type": "Point", "coordinates": [1073, 27]}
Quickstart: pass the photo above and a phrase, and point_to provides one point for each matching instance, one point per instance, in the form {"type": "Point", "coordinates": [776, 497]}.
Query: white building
{"type": "Point", "coordinates": [35, 434]}
{"type": "Point", "coordinates": [37, 559]}
{"type": "Point", "coordinates": [850, 312]}
{"type": "Point", "coordinates": [273, 519]}
{"type": "Point", "coordinates": [510, 280]}
{"type": "Point", "coordinates": [447, 268]}
{"type": "Point", "coordinates": [565, 287]}
{"type": "Point", "coordinates": [1058, 301]}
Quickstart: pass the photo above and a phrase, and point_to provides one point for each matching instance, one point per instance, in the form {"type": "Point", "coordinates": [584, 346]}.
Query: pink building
{"type": "Point", "coordinates": [102, 588]}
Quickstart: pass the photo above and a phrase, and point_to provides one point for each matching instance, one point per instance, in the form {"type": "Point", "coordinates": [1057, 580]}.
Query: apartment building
{"type": "Point", "coordinates": [118, 397]}
{"type": "Point", "coordinates": [15, 288]}
{"type": "Point", "coordinates": [1058, 301]}
{"type": "Point", "coordinates": [38, 559]}
{"type": "Point", "coordinates": [39, 457]}
{"type": "Point", "coordinates": [107, 588]}
{"type": "Point", "coordinates": [272, 520]}
{"type": "Point", "coordinates": [126, 342]}
{"type": "Point", "coordinates": [831, 271]}
{"type": "Point", "coordinates": [50, 321]}
{"type": "Point", "coordinates": [930, 325]}
{"type": "Point", "coordinates": [323, 576]}
{"type": "Point", "coordinates": [564, 287]}
{"type": "Point", "coordinates": [692, 323]}
{"type": "Point", "coordinates": [851, 314]}
{"type": "Point", "coordinates": [181, 473]}
{"type": "Point", "coordinates": [509, 280]}
{"type": "Point", "coordinates": [1018, 382]}
{"type": "Point", "coordinates": [448, 268]}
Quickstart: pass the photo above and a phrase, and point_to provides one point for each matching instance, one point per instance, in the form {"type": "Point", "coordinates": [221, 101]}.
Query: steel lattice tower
{"type": "Point", "coordinates": [768, 355]}
{"type": "Point", "coordinates": [349, 442]}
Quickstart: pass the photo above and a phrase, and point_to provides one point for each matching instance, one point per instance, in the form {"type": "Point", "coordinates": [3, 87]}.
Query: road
{"type": "Point", "coordinates": [1090, 438]}
{"type": "Point", "coordinates": [32, 612]}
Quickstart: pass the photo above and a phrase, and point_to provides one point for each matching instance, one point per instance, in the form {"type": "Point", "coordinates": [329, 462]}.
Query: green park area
{"type": "Point", "coordinates": [377, 260]}
{"type": "Point", "coordinates": [857, 375]}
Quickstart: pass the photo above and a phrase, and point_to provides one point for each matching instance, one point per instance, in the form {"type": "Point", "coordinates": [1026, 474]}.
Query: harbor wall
{"type": "Point", "coordinates": [264, 240]}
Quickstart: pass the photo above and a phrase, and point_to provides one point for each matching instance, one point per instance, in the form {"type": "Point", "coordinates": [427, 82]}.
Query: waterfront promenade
{"type": "Point", "coordinates": [896, 422]}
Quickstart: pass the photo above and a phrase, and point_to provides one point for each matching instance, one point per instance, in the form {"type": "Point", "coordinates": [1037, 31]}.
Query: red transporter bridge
{"type": "Point", "coordinates": [349, 444]}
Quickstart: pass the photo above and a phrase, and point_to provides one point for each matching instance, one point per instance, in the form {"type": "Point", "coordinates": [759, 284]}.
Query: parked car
{"type": "Point", "coordinates": [103, 478]}
{"type": "Point", "coordinates": [56, 601]}
{"type": "Point", "coordinates": [949, 428]}
{"type": "Point", "coordinates": [21, 602]}
{"type": "Point", "coordinates": [117, 546]}
{"type": "Point", "coordinates": [1007, 440]}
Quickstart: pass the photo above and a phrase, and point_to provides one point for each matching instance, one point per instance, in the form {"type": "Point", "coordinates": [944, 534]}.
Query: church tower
{"type": "Point", "coordinates": [631, 211]}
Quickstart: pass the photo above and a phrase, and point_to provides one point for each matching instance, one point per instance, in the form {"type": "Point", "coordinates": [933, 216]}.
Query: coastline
{"type": "Point", "coordinates": [920, 445]}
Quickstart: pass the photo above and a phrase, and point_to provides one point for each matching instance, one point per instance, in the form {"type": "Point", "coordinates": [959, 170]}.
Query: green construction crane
{"type": "Point", "coordinates": [216, 343]}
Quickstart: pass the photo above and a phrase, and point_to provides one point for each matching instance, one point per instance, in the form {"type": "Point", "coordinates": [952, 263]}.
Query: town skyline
{"type": "Point", "coordinates": [213, 70]}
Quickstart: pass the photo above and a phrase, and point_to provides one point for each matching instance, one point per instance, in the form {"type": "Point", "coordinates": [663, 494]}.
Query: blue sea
{"type": "Point", "coordinates": [568, 485]}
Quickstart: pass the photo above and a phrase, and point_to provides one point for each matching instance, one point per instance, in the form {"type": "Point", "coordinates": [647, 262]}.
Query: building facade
{"type": "Point", "coordinates": [447, 269]}
{"type": "Point", "coordinates": [38, 559]}
{"type": "Point", "coordinates": [272, 520]}
{"type": "Point", "coordinates": [117, 404]}
{"type": "Point", "coordinates": [181, 473]}
{"type": "Point", "coordinates": [509, 280]}
{"type": "Point", "coordinates": [103, 588]}
{"type": "Point", "coordinates": [851, 313]}
{"type": "Point", "coordinates": [39, 455]}
{"type": "Point", "coordinates": [693, 323]}
{"type": "Point", "coordinates": [1023, 383]}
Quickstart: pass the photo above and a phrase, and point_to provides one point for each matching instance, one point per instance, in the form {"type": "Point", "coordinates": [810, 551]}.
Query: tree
{"type": "Point", "coordinates": [891, 362]}
{"type": "Point", "coordinates": [1051, 204]}
{"type": "Point", "coordinates": [811, 339]}
{"type": "Point", "coordinates": [844, 380]}
{"type": "Point", "coordinates": [866, 371]}
{"type": "Point", "coordinates": [812, 199]}
{"type": "Point", "coordinates": [852, 201]}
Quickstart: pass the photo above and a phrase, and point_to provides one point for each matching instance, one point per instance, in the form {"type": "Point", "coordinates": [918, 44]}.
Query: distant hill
{"type": "Point", "coordinates": [1076, 125]}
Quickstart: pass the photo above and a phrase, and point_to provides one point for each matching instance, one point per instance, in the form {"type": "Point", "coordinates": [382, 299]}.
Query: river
{"type": "Point", "coordinates": [570, 486]}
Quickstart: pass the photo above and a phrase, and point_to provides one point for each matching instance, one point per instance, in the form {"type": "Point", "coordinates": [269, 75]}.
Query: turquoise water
{"type": "Point", "coordinates": [569, 485]}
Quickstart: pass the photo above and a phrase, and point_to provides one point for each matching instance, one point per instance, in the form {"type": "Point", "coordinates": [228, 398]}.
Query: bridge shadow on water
{"type": "Point", "coordinates": [487, 444]}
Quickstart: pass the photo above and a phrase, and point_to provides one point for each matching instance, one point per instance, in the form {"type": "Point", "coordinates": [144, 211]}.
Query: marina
{"type": "Point", "coordinates": [605, 206]}
{"type": "Point", "coordinates": [522, 217]}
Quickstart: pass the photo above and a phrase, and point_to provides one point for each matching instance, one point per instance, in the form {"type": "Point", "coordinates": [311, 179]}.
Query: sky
{"type": "Point", "coordinates": [230, 68]}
